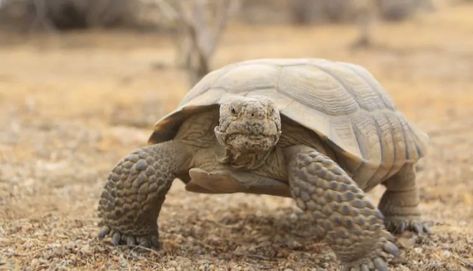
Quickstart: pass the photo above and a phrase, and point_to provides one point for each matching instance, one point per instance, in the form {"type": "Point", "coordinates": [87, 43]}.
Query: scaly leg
{"type": "Point", "coordinates": [352, 226]}
{"type": "Point", "coordinates": [399, 203]}
{"type": "Point", "coordinates": [135, 190]}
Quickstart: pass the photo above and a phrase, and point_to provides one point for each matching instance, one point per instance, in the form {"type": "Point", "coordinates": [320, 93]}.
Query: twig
{"type": "Point", "coordinates": [147, 249]}
{"type": "Point", "coordinates": [463, 261]}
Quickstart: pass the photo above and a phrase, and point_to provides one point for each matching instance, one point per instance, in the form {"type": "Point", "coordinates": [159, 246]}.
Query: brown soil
{"type": "Point", "coordinates": [72, 105]}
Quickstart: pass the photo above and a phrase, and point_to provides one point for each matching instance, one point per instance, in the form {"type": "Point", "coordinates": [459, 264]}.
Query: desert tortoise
{"type": "Point", "coordinates": [319, 131]}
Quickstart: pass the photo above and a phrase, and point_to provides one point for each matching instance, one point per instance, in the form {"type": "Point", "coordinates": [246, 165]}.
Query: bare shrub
{"type": "Point", "coordinates": [66, 14]}
{"type": "Point", "coordinates": [364, 13]}
{"type": "Point", "coordinates": [198, 26]}
{"type": "Point", "coordinates": [399, 9]}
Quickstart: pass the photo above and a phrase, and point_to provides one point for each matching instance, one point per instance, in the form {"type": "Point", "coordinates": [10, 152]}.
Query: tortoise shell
{"type": "Point", "coordinates": [341, 102]}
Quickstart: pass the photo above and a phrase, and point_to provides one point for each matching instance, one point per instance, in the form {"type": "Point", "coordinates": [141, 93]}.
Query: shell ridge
{"type": "Point", "coordinates": [389, 108]}
{"type": "Point", "coordinates": [410, 141]}
{"type": "Point", "coordinates": [406, 142]}
{"type": "Point", "coordinates": [394, 119]}
{"type": "Point", "coordinates": [361, 147]}
{"type": "Point", "coordinates": [382, 149]}
{"type": "Point", "coordinates": [391, 128]}
{"type": "Point", "coordinates": [380, 134]}
{"type": "Point", "coordinates": [354, 68]}
{"type": "Point", "coordinates": [304, 102]}
{"type": "Point", "coordinates": [420, 148]}
{"type": "Point", "coordinates": [346, 87]}
{"type": "Point", "coordinates": [224, 71]}
{"type": "Point", "coordinates": [281, 69]}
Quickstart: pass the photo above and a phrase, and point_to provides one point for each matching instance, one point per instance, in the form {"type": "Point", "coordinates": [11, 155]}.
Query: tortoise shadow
{"type": "Point", "coordinates": [238, 235]}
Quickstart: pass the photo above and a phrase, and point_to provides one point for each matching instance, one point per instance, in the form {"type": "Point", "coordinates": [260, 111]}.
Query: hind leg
{"type": "Point", "coordinates": [399, 203]}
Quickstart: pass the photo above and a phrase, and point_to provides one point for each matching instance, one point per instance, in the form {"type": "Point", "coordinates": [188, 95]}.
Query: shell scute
{"type": "Point", "coordinates": [246, 78]}
{"type": "Point", "coordinates": [367, 97]}
{"type": "Point", "coordinates": [316, 89]}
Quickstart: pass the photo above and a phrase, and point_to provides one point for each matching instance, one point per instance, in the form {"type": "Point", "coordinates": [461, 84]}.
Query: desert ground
{"type": "Point", "coordinates": [71, 105]}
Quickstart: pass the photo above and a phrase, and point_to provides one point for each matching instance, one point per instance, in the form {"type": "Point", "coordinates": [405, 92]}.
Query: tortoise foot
{"type": "Point", "coordinates": [119, 238]}
{"type": "Point", "coordinates": [400, 224]}
{"type": "Point", "coordinates": [376, 260]}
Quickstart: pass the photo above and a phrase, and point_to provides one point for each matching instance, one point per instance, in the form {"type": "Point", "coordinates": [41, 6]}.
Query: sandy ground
{"type": "Point", "coordinates": [71, 106]}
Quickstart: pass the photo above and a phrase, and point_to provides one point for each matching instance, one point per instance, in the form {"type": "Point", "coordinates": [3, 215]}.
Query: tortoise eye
{"type": "Point", "coordinates": [233, 111]}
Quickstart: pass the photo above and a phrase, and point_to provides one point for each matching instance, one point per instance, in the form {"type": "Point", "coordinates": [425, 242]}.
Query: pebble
{"type": "Point", "coordinates": [406, 242]}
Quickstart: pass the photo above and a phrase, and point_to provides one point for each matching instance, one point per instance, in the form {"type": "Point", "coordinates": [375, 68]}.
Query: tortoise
{"type": "Point", "coordinates": [319, 131]}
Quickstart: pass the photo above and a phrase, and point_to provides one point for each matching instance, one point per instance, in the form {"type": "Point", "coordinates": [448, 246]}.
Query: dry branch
{"type": "Point", "coordinates": [199, 25]}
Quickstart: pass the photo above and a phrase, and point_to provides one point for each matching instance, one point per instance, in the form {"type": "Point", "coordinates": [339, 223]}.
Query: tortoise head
{"type": "Point", "coordinates": [248, 125]}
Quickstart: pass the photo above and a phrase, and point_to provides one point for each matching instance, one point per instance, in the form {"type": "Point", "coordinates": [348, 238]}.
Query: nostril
{"type": "Point", "coordinates": [252, 114]}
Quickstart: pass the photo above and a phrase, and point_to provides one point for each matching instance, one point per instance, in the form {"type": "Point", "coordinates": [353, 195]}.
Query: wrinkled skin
{"type": "Point", "coordinates": [248, 130]}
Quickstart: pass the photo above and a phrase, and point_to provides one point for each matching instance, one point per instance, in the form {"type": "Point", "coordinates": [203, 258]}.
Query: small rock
{"type": "Point", "coordinates": [406, 242]}
{"type": "Point", "coordinates": [86, 250]}
{"type": "Point", "coordinates": [446, 253]}
{"type": "Point", "coordinates": [293, 244]}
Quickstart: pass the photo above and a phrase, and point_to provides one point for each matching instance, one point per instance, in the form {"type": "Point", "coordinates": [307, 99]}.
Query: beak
{"type": "Point", "coordinates": [220, 136]}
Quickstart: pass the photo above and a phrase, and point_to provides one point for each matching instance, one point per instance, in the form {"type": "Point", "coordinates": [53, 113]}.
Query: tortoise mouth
{"type": "Point", "coordinates": [250, 136]}
{"type": "Point", "coordinates": [247, 142]}
{"type": "Point", "coordinates": [251, 143]}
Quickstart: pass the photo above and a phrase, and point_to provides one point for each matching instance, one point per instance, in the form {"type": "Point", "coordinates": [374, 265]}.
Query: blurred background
{"type": "Point", "coordinates": [83, 81]}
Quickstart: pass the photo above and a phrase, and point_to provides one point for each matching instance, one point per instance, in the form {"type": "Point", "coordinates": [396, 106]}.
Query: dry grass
{"type": "Point", "coordinates": [71, 106]}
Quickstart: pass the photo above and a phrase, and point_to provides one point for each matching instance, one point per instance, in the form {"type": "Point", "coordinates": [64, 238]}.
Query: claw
{"type": "Point", "coordinates": [379, 214]}
{"type": "Point", "coordinates": [103, 232]}
{"type": "Point", "coordinates": [388, 236]}
{"type": "Point", "coordinates": [427, 229]}
{"type": "Point", "coordinates": [144, 242]}
{"type": "Point", "coordinates": [130, 241]}
{"type": "Point", "coordinates": [380, 264]}
{"type": "Point", "coordinates": [401, 227]}
{"type": "Point", "coordinates": [155, 241]}
{"type": "Point", "coordinates": [364, 267]}
{"type": "Point", "coordinates": [418, 228]}
{"type": "Point", "coordinates": [116, 238]}
{"type": "Point", "coordinates": [391, 248]}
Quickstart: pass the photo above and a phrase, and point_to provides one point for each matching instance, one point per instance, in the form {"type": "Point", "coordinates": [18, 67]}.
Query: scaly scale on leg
{"type": "Point", "coordinates": [134, 192]}
{"type": "Point", "coordinates": [353, 227]}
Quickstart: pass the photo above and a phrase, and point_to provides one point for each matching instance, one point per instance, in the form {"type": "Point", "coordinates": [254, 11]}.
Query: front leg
{"type": "Point", "coordinates": [351, 225]}
{"type": "Point", "coordinates": [135, 190]}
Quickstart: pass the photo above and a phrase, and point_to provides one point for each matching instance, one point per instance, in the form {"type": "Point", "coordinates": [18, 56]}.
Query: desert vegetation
{"type": "Point", "coordinates": [74, 101]}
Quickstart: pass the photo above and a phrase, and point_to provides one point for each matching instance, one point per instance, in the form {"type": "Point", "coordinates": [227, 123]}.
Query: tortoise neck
{"type": "Point", "coordinates": [247, 161]}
